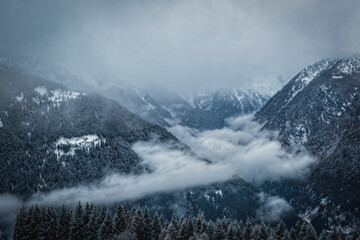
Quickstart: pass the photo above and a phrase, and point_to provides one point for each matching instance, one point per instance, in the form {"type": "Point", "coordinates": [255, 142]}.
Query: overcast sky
{"type": "Point", "coordinates": [184, 45]}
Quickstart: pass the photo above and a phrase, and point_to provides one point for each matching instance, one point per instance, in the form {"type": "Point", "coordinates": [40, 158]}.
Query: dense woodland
{"type": "Point", "coordinates": [87, 222]}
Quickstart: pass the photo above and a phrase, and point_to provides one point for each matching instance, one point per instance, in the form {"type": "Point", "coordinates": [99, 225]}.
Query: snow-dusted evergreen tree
{"type": "Point", "coordinates": [93, 225]}
{"type": "Point", "coordinates": [106, 230]}
{"type": "Point", "coordinates": [20, 224]}
{"type": "Point", "coordinates": [64, 224]}
{"type": "Point", "coordinates": [247, 230]}
{"type": "Point", "coordinates": [231, 234]}
{"type": "Point", "coordinates": [210, 229]}
{"type": "Point", "coordinates": [280, 230]}
{"type": "Point", "coordinates": [76, 230]}
{"type": "Point", "coordinates": [137, 225]}
{"type": "Point", "coordinates": [119, 220]}
{"type": "Point", "coordinates": [146, 224]}
{"type": "Point", "coordinates": [219, 232]}
{"type": "Point", "coordinates": [155, 228]}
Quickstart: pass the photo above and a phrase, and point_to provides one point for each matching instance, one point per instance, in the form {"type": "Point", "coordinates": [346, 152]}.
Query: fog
{"type": "Point", "coordinates": [216, 156]}
{"type": "Point", "coordinates": [183, 45]}
{"type": "Point", "coordinates": [272, 208]}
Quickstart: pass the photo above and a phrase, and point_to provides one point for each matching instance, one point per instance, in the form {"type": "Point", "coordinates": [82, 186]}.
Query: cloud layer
{"type": "Point", "coordinates": [183, 45]}
{"type": "Point", "coordinates": [240, 149]}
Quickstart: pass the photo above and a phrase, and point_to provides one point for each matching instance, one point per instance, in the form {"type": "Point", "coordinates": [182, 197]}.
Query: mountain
{"type": "Point", "coordinates": [132, 98]}
{"type": "Point", "coordinates": [208, 110]}
{"type": "Point", "coordinates": [319, 109]}
{"type": "Point", "coordinates": [46, 69]}
{"type": "Point", "coordinates": [51, 137]}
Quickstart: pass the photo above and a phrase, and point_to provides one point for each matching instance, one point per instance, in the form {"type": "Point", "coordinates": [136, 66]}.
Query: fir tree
{"type": "Point", "coordinates": [231, 235]}
{"type": "Point", "coordinates": [247, 230]}
{"type": "Point", "coordinates": [183, 231]}
{"type": "Point", "coordinates": [219, 233]}
{"type": "Point", "coordinates": [106, 228]}
{"type": "Point", "coordinates": [20, 224]}
{"type": "Point", "coordinates": [280, 230]}
{"type": "Point", "coordinates": [93, 225]}
{"type": "Point", "coordinates": [119, 220]}
{"type": "Point", "coordinates": [264, 233]}
{"type": "Point", "coordinates": [210, 229]}
{"type": "Point", "coordinates": [156, 228]}
{"type": "Point", "coordinates": [146, 223]}
{"type": "Point", "coordinates": [76, 230]}
{"type": "Point", "coordinates": [137, 225]}
{"type": "Point", "coordinates": [64, 224]}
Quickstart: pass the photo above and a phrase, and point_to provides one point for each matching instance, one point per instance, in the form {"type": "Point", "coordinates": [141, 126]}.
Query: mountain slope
{"type": "Point", "coordinates": [52, 137]}
{"type": "Point", "coordinates": [132, 98]}
{"type": "Point", "coordinates": [319, 109]}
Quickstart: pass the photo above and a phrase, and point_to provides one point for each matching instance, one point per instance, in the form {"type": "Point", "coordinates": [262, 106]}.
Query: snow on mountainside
{"type": "Point", "coordinates": [132, 98]}
{"type": "Point", "coordinates": [208, 110]}
{"type": "Point", "coordinates": [51, 137]}
{"type": "Point", "coordinates": [319, 109]}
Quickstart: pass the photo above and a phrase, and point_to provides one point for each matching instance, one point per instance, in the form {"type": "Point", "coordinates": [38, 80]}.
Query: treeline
{"type": "Point", "coordinates": [89, 223]}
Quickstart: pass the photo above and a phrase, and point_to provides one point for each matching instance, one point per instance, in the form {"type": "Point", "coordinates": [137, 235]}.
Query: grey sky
{"type": "Point", "coordinates": [183, 45]}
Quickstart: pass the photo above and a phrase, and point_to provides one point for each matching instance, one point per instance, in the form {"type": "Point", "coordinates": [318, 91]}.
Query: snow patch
{"type": "Point", "coordinates": [56, 96]}
{"type": "Point", "coordinates": [41, 90]}
{"type": "Point", "coordinates": [20, 97]}
{"type": "Point", "coordinates": [68, 146]}
{"type": "Point", "coordinates": [1, 124]}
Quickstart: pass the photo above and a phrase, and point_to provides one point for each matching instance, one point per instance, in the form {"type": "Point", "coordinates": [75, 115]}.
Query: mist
{"type": "Point", "coordinates": [216, 156]}
{"type": "Point", "coordinates": [183, 45]}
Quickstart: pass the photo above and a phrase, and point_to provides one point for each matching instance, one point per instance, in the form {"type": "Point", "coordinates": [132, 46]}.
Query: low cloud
{"type": "Point", "coordinates": [252, 154]}
{"type": "Point", "coordinates": [216, 155]}
{"type": "Point", "coordinates": [273, 208]}
{"type": "Point", "coordinates": [9, 207]}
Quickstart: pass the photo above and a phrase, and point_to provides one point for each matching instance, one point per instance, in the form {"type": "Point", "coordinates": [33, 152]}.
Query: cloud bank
{"type": "Point", "coordinates": [240, 149]}
{"type": "Point", "coordinates": [183, 45]}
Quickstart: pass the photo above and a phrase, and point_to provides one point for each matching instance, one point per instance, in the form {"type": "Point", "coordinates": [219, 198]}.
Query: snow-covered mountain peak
{"type": "Point", "coordinates": [349, 65]}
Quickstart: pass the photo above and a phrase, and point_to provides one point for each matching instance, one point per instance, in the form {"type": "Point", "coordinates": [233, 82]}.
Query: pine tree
{"type": "Point", "coordinates": [172, 229]}
{"type": "Point", "coordinates": [310, 233]}
{"type": "Point", "coordinates": [162, 221]}
{"type": "Point", "coordinates": [183, 231]}
{"type": "Point", "coordinates": [137, 225]}
{"type": "Point", "coordinates": [293, 235]}
{"type": "Point", "coordinates": [199, 223]}
{"type": "Point", "coordinates": [20, 224]}
{"type": "Point", "coordinates": [86, 219]}
{"type": "Point", "coordinates": [156, 228]}
{"type": "Point", "coordinates": [219, 233]}
{"type": "Point", "coordinates": [52, 224]}
{"type": "Point", "coordinates": [280, 230]}
{"type": "Point", "coordinates": [76, 229]}
{"type": "Point", "coordinates": [119, 220]}
{"type": "Point", "coordinates": [264, 234]}
{"type": "Point", "coordinates": [102, 216]}
{"type": "Point", "coordinates": [64, 224]}
{"type": "Point", "coordinates": [231, 235]}
{"type": "Point", "coordinates": [210, 229]}
{"type": "Point", "coordinates": [247, 230]}
{"type": "Point", "coordinates": [106, 228]}
{"type": "Point", "coordinates": [146, 223]}
{"type": "Point", "coordinates": [93, 225]}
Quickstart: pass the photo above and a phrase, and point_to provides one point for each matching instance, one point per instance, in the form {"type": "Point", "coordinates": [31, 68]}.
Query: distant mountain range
{"type": "Point", "coordinates": [209, 110]}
